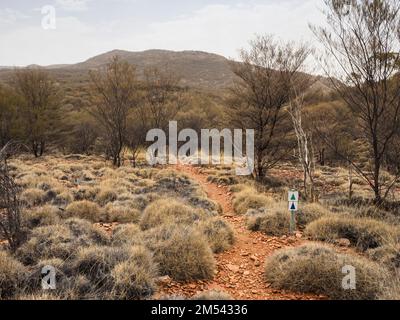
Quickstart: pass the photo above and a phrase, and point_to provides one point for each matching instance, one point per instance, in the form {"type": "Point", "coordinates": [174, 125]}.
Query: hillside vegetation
{"type": "Point", "coordinates": [82, 200]}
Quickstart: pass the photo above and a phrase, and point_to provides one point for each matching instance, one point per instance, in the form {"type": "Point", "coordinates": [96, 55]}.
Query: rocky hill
{"type": "Point", "coordinates": [197, 69]}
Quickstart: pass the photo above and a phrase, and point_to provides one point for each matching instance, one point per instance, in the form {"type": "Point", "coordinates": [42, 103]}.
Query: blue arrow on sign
{"type": "Point", "coordinates": [293, 207]}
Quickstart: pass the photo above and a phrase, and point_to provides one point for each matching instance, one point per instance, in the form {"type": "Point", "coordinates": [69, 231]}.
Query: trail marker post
{"type": "Point", "coordinates": [293, 199]}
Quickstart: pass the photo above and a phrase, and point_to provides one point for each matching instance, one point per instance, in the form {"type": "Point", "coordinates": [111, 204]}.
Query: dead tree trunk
{"type": "Point", "coordinates": [305, 150]}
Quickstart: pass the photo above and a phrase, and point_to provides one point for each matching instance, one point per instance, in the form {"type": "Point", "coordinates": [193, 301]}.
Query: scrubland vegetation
{"type": "Point", "coordinates": [164, 224]}
{"type": "Point", "coordinates": [77, 195]}
{"type": "Point", "coordinates": [318, 269]}
{"type": "Point", "coordinates": [158, 231]}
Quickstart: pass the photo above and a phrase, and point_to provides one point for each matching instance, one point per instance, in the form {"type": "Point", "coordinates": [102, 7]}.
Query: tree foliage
{"type": "Point", "coordinates": [267, 75]}
{"type": "Point", "coordinates": [362, 60]}
{"type": "Point", "coordinates": [114, 97]}
{"type": "Point", "coordinates": [39, 109]}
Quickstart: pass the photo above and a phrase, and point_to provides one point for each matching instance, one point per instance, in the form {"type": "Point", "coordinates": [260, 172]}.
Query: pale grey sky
{"type": "Point", "coordinates": [85, 28]}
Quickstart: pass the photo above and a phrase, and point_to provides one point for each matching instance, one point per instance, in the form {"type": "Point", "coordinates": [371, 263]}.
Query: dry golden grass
{"type": "Point", "coordinates": [63, 197]}
{"type": "Point", "coordinates": [106, 195]}
{"type": "Point", "coordinates": [241, 187]}
{"type": "Point", "coordinates": [12, 275]}
{"type": "Point", "coordinates": [273, 221]}
{"type": "Point", "coordinates": [219, 234]}
{"type": "Point", "coordinates": [310, 212]}
{"type": "Point", "coordinates": [127, 234]}
{"type": "Point", "coordinates": [170, 174]}
{"type": "Point", "coordinates": [59, 241]}
{"type": "Point", "coordinates": [363, 233]}
{"type": "Point", "coordinates": [318, 269]}
{"type": "Point", "coordinates": [388, 255]}
{"type": "Point", "coordinates": [135, 277]}
{"type": "Point", "coordinates": [145, 183]}
{"type": "Point", "coordinates": [223, 180]}
{"type": "Point", "coordinates": [42, 216]}
{"type": "Point", "coordinates": [181, 252]}
{"type": "Point", "coordinates": [118, 272]}
{"type": "Point", "coordinates": [84, 210]}
{"type": "Point", "coordinates": [247, 199]}
{"type": "Point", "coordinates": [120, 213]}
{"type": "Point", "coordinates": [33, 197]}
{"type": "Point", "coordinates": [96, 262]}
{"type": "Point", "coordinates": [34, 280]}
{"type": "Point", "coordinates": [212, 295]}
{"type": "Point", "coordinates": [167, 211]}
{"type": "Point", "coordinates": [86, 193]}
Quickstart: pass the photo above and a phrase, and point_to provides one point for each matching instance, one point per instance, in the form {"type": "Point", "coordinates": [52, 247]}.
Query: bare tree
{"type": "Point", "coordinates": [10, 207]}
{"type": "Point", "coordinates": [265, 80]}
{"type": "Point", "coordinates": [362, 49]}
{"type": "Point", "coordinates": [9, 126]}
{"type": "Point", "coordinates": [163, 97]}
{"type": "Point", "coordinates": [40, 106]}
{"type": "Point", "coordinates": [86, 136]}
{"type": "Point", "coordinates": [136, 137]}
{"type": "Point", "coordinates": [114, 97]}
{"type": "Point", "coordinates": [304, 145]}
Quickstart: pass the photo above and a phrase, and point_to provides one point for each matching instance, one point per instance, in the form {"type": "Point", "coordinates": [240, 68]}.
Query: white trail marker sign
{"type": "Point", "coordinates": [293, 199]}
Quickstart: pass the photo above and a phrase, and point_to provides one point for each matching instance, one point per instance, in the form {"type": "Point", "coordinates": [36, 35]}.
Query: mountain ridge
{"type": "Point", "coordinates": [197, 69]}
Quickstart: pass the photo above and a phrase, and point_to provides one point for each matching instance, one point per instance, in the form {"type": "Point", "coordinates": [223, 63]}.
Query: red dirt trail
{"type": "Point", "coordinates": [239, 270]}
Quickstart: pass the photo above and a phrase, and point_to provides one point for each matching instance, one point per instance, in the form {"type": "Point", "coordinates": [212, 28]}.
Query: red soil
{"type": "Point", "coordinates": [239, 270]}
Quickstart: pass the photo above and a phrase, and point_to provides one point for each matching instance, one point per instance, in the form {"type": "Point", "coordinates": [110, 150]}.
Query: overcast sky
{"type": "Point", "coordinates": [85, 28]}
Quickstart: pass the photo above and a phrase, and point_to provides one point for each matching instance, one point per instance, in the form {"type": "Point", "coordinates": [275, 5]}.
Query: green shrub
{"type": "Point", "coordinates": [84, 210]}
{"type": "Point", "coordinates": [318, 269]}
{"type": "Point", "coordinates": [219, 234]}
{"type": "Point", "coordinates": [181, 252]}
{"type": "Point", "coordinates": [362, 233]}
{"type": "Point", "coordinates": [12, 276]}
